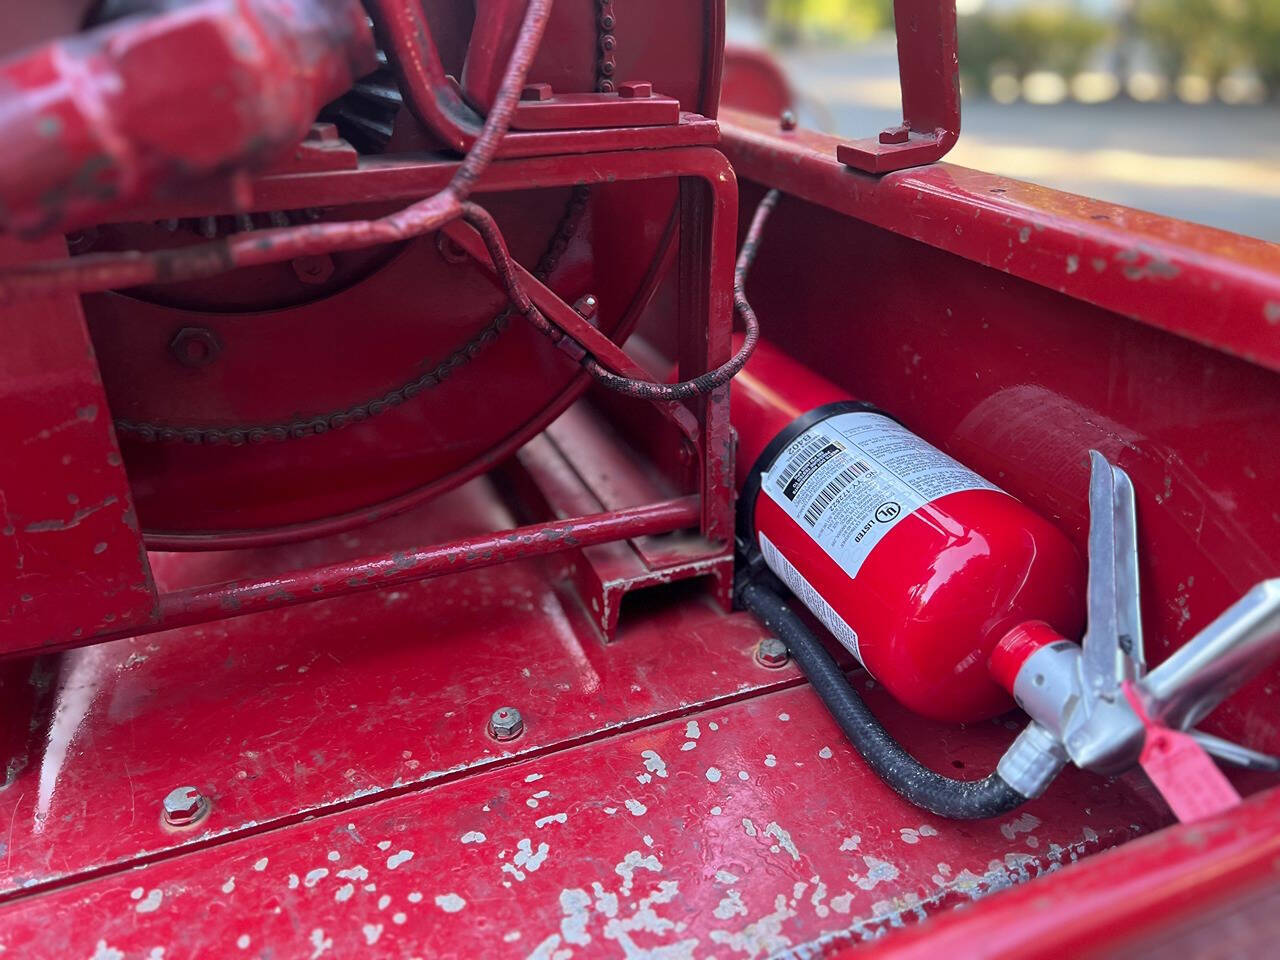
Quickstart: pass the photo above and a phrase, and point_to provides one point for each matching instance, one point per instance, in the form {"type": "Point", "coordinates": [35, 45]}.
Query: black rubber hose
{"type": "Point", "coordinates": [945, 796]}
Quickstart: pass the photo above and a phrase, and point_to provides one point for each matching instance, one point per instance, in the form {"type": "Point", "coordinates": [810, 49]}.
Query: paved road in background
{"type": "Point", "coordinates": [1212, 164]}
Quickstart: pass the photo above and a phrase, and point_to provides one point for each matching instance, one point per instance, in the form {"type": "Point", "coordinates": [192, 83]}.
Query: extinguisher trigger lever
{"type": "Point", "coordinates": [1113, 649]}
{"type": "Point", "coordinates": [1077, 694]}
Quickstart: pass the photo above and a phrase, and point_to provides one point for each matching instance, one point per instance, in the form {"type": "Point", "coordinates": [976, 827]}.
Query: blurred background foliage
{"type": "Point", "coordinates": [1190, 45]}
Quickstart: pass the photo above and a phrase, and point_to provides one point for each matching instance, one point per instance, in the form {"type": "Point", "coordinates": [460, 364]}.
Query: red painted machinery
{"type": "Point", "coordinates": [401, 553]}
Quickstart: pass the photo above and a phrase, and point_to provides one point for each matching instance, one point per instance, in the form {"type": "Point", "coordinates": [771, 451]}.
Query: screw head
{"type": "Point", "coordinates": [313, 270]}
{"type": "Point", "coordinates": [506, 724]}
{"type": "Point", "coordinates": [184, 806]}
{"type": "Point", "coordinates": [772, 653]}
{"type": "Point", "coordinates": [537, 91]}
{"type": "Point", "coordinates": [450, 249]}
{"type": "Point", "coordinates": [787, 121]}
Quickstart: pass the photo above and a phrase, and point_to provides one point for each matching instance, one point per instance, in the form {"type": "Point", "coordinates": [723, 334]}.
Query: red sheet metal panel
{"type": "Point", "coordinates": [71, 556]}
{"type": "Point", "coordinates": [1131, 902]}
{"type": "Point", "coordinates": [279, 715]}
{"type": "Point", "coordinates": [1017, 366]}
{"type": "Point", "coordinates": [1217, 288]}
{"type": "Point", "coordinates": [736, 831]}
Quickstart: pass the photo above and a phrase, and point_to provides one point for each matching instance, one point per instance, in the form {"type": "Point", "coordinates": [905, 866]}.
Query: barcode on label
{"type": "Point", "coordinates": [859, 468]}
{"type": "Point", "coordinates": [811, 447]}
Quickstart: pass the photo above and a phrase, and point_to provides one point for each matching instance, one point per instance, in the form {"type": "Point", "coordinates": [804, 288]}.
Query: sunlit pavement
{"type": "Point", "coordinates": [1210, 163]}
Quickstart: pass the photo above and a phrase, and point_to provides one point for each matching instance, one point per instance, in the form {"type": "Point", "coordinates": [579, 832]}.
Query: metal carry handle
{"type": "Point", "coordinates": [1214, 663]}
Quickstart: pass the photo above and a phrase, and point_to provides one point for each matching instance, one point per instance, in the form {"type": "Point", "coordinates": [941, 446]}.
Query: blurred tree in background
{"type": "Point", "coordinates": [1200, 37]}
{"type": "Point", "coordinates": [1208, 39]}
{"type": "Point", "coordinates": [1260, 28]}
{"type": "Point", "coordinates": [842, 20]}
{"type": "Point", "coordinates": [1053, 37]}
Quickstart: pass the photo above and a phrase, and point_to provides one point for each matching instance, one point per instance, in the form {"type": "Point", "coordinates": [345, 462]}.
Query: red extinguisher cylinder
{"type": "Point", "coordinates": [914, 563]}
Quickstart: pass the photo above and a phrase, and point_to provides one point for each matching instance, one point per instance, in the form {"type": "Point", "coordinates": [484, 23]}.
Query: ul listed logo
{"type": "Point", "coordinates": [887, 511]}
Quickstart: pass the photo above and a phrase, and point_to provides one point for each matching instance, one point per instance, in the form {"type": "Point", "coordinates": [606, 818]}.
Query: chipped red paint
{"type": "Point", "coordinates": [292, 711]}
{"type": "Point", "coordinates": [209, 603]}
{"type": "Point", "coordinates": [1217, 288]}
{"type": "Point", "coordinates": [714, 834]}
{"type": "Point", "coordinates": [342, 744]}
{"type": "Point", "coordinates": [1016, 367]}
{"type": "Point", "coordinates": [1130, 902]}
{"type": "Point", "coordinates": [107, 119]}
{"type": "Point", "coordinates": [71, 554]}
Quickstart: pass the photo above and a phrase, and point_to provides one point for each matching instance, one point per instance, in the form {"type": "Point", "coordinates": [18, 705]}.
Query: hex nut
{"type": "Point", "coordinates": [506, 724]}
{"type": "Point", "coordinates": [185, 806]}
{"type": "Point", "coordinates": [772, 653]}
{"type": "Point", "coordinates": [195, 346]}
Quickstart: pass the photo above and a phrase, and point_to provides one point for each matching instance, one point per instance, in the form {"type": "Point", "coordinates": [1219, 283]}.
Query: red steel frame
{"type": "Point", "coordinates": [1153, 340]}
{"type": "Point", "coordinates": [704, 318]}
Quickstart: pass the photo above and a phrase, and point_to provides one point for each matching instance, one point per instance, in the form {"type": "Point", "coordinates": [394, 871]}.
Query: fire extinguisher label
{"type": "Point", "coordinates": [850, 479]}
{"type": "Point", "coordinates": [810, 597]}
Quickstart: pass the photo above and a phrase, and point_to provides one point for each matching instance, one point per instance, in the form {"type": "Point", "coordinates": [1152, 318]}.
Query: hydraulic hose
{"type": "Point", "coordinates": [916, 783]}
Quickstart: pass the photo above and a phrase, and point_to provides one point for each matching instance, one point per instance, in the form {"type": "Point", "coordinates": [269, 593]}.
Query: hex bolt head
{"type": "Point", "coordinates": [772, 653]}
{"type": "Point", "coordinates": [687, 453]}
{"type": "Point", "coordinates": [635, 90]}
{"type": "Point", "coordinates": [899, 134]}
{"type": "Point", "coordinates": [537, 91]}
{"type": "Point", "coordinates": [587, 307]}
{"type": "Point", "coordinates": [185, 806]}
{"type": "Point", "coordinates": [506, 724]}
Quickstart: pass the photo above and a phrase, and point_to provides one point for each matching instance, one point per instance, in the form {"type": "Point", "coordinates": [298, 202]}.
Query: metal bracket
{"type": "Point", "coordinates": [929, 75]}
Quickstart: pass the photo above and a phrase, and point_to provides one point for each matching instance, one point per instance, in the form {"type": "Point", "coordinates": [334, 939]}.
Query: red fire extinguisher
{"type": "Point", "coordinates": [916, 564]}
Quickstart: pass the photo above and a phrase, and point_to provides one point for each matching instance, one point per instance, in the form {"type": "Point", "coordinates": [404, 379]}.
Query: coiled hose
{"type": "Point", "coordinates": [916, 783]}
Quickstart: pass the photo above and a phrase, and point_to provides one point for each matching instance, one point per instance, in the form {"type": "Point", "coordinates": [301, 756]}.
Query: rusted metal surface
{"type": "Point", "coordinates": [121, 114]}
{"type": "Point", "coordinates": [1217, 288]}
{"type": "Point", "coordinates": [929, 75]}
{"type": "Point", "coordinates": [71, 553]}
{"type": "Point", "coordinates": [592, 850]}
